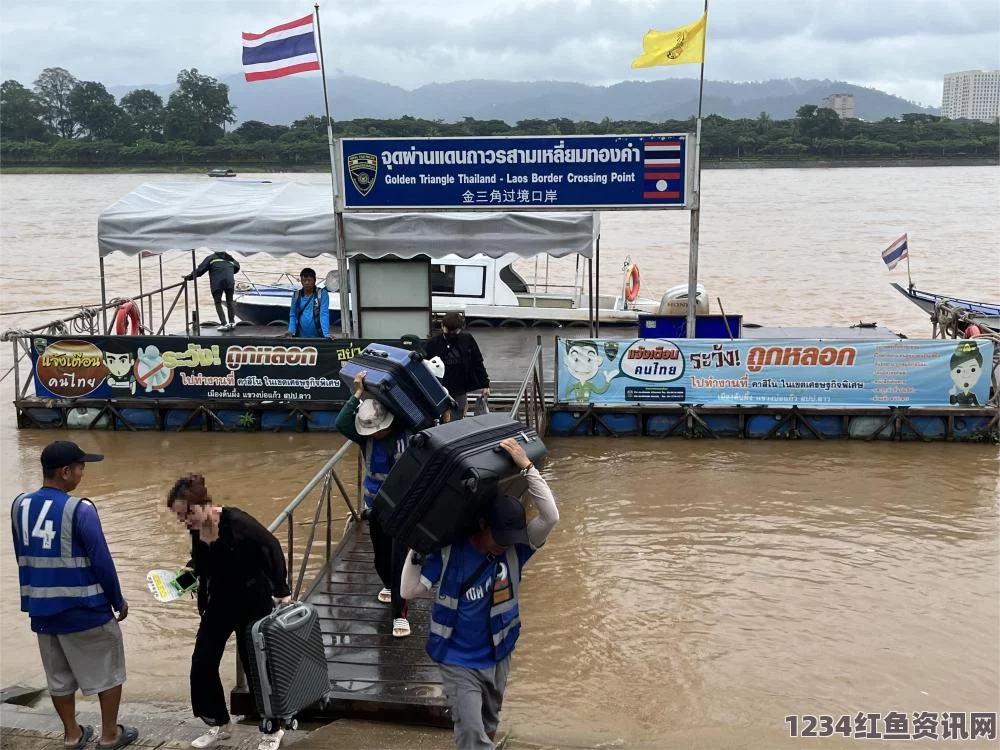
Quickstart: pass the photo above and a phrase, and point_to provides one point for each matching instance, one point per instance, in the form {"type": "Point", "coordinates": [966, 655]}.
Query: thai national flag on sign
{"type": "Point", "coordinates": [895, 252]}
{"type": "Point", "coordinates": [661, 162]}
{"type": "Point", "coordinates": [281, 51]}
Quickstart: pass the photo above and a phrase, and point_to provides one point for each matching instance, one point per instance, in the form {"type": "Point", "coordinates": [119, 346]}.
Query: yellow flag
{"type": "Point", "coordinates": [675, 47]}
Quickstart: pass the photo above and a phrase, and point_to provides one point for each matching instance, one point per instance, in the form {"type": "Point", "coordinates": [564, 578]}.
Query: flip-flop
{"type": "Point", "coordinates": [126, 736]}
{"type": "Point", "coordinates": [400, 627]}
{"type": "Point", "coordinates": [385, 596]}
{"type": "Point", "coordinates": [86, 735]}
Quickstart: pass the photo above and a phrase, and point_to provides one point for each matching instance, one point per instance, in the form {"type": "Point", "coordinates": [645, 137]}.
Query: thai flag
{"type": "Point", "coordinates": [281, 51]}
{"type": "Point", "coordinates": [661, 163]}
{"type": "Point", "coordinates": [895, 252]}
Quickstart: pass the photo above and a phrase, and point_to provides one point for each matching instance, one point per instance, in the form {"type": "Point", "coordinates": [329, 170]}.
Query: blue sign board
{"type": "Point", "coordinates": [762, 372]}
{"type": "Point", "coordinates": [535, 173]}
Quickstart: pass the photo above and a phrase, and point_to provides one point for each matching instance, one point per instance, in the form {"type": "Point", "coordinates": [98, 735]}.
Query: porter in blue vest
{"type": "Point", "coordinates": [70, 590]}
{"type": "Point", "coordinates": [475, 619]}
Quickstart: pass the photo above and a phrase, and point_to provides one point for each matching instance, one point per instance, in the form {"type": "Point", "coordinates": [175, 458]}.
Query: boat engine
{"type": "Point", "coordinates": [675, 301]}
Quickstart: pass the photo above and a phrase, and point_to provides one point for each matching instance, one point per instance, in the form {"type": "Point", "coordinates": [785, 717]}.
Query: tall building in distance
{"type": "Point", "coordinates": [971, 95]}
{"type": "Point", "coordinates": [842, 104]}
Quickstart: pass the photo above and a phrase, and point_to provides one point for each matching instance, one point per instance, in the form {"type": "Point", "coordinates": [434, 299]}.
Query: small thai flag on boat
{"type": "Point", "coordinates": [895, 252]}
{"type": "Point", "coordinates": [281, 51]}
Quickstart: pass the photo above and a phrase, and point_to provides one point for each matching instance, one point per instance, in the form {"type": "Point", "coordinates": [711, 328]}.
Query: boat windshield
{"type": "Point", "coordinates": [513, 279]}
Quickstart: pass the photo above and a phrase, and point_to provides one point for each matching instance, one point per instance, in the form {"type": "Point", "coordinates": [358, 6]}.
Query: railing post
{"type": "Point", "coordinates": [291, 549]}
{"type": "Point", "coordinates": [329, 522]}
{"type": "Point", "coordinates": [17, 371]}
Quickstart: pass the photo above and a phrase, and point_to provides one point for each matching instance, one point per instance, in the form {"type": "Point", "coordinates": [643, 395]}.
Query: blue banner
{"type": "Point", "coordinates": [516, 173]}
{"type": "Point", "coordinates": [762, 372]}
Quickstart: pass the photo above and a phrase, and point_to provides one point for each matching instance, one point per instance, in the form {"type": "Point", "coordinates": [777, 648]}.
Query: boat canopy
{"type": "Point", "coordinates": [285, 218]}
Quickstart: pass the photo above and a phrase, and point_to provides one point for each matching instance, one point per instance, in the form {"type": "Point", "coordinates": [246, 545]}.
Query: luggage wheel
{"type": "Point", "coordinates": [270, 726]}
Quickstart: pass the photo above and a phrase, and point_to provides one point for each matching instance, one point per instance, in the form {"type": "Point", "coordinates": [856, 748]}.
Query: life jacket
{"type": "Point", "coordinates": [505, 618]}
{"type": "Point", "coordinates": [54, 569]}
{"type": "Point", "coordinates": [378, 462]}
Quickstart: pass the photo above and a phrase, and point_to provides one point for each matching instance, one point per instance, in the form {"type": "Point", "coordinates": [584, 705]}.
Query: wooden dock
{"type": "Point", "coordinates": [372, 674]}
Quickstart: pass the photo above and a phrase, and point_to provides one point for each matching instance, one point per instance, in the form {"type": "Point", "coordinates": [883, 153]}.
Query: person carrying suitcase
{"type": "Point", "coordinates": [464, 370]}
{"type": "Point", "coordinates": [368, 423]}
{"type": "Point", "coordinates": [474, 620]}
{"type": "Point", "coordinates": [241, 577]}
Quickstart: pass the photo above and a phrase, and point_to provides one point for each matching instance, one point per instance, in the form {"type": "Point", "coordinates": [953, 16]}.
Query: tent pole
{"type": "Point", "coordinates": [597, 298]}
{"type": "Point", "coordinates": [196, 321]}
{"type": "Point", "coordinates": [590, 295]}
{"type": "Point", "coordinates": [104, 300]}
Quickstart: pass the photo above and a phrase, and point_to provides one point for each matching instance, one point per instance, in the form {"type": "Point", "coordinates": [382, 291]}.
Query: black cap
{"type": "Point", "coordinates": [507, 522]}
{"type": "Point", "coordinates": [65, 453]}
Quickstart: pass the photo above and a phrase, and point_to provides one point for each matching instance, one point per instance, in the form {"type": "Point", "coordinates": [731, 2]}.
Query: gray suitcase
{"type": "Point", "coordinates": [288, 671]}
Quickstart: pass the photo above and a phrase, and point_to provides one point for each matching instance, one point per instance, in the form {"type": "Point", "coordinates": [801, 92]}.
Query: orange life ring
{"type": "Point", "coordinates": [632, 283]}
{"type": "Point", "coordinates": [127, 319]}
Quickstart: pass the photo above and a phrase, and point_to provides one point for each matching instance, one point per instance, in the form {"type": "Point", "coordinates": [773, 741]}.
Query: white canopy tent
{"type": "Point", "coordinates": [297, 218]}
{"type": "Point", "coordinates": [288, 218]}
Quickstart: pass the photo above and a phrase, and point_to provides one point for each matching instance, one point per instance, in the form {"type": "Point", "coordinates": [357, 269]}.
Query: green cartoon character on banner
{"type": "Point", "coordinates": [583, 360]}
{"type": "Point", "coordinates": [966, 367]}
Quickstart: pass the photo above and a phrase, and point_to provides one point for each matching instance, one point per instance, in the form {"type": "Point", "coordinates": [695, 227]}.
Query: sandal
{"type": "Point", "coordinates": [271, 741]}
{"type": "Point", "coordinates": [86, 735]}
{"type": "Point", "coordinates": [400, 627]}
{"type": "Point", "coordinates": [385, 596]}
{"type": "Point", "coordinates": [126, 736]}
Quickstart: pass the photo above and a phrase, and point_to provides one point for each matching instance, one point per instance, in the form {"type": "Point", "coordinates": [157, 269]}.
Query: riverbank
{"type": "Point", "coordinates": [707, 163]}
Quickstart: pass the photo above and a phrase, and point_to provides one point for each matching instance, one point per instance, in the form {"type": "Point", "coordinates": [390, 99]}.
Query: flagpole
{"type": "Point", "coordinates": [908, 276]}
{"type": "Point", "coordinates": [692, 310]}
{"type": "Point", "coordinates": [337, 233]}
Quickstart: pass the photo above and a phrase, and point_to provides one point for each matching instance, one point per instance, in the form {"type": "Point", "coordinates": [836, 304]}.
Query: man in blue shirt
{"type": "Point", "coordinates": [309, 316]}
{"type": "Point", "coordinates": [70, 590]}
{"type": "Point", "coordinates": [475, 620]}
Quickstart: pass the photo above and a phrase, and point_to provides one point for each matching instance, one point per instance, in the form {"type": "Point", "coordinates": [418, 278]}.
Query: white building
{"type": "Point", "coordinates": [971, 95]}
{"type": "Point", "coordinates": [842, 104]}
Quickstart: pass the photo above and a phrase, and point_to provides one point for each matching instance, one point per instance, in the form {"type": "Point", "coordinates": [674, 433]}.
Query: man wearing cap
{"type": "Point", "coordinates": [368, 423]}
{"type": "Point", "coordinates": [70, 590]}
{"type": "Point", "coordinates": [475, 620]}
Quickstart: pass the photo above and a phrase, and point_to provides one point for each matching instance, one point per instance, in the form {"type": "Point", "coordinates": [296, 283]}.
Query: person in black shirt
{"type": "Point", "coordinates": [464, 370]}
{"type": "Point", "coordinates": [241, 577]}
{"type": "Point", "coordinates": [221, 268]}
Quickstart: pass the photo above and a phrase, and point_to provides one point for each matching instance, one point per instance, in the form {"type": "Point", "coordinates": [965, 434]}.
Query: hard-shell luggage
{"type": "Point", "coordinates": [400, 380]}
{"type": "Point", "coordinates": [287, 671]}
{"type": "Point", "coordinates": [436, 491]}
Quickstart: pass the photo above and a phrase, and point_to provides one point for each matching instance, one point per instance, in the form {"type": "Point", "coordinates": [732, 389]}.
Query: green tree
{"type": "Point", "coordinates": [52, 90]}
{"type": "Point", "coordinates": [254, 130]}
{"type": "Point", "coordinates": [94, 110]}
{"type": "Point", "coordinates": [20, 113]}
{"type": "Point", "coordinates": [198, 109]}
{"type": "Point", "coordinates": [145, 111]}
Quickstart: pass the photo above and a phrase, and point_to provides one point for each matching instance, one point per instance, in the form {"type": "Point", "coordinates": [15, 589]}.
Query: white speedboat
{"type": "Point", "coordinates": [489, 292]}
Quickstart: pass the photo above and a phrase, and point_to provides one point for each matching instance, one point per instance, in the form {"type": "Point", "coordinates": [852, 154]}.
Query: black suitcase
{"type": "Point", "coordinates": [436, 491]}
{"type": "Point", "coordinates": [287, 671]}
{"type": "Point", "coordinates": [400, 380]}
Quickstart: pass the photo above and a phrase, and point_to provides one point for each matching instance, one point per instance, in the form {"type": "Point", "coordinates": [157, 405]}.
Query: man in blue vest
{"type": "Point", "coordinates": [382, 441]}
{"type": "Point", "coordinates": [475, 620]}
{"type": "Point", "coordinates": [70, 590]}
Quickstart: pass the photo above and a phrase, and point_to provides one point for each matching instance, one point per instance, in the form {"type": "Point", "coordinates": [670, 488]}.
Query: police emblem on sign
{"type": "Point", "coordinates": [363, 168]}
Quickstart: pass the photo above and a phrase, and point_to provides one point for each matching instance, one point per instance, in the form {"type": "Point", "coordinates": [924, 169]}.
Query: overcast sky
{"type": "Point", "coordinates": [900, 46]}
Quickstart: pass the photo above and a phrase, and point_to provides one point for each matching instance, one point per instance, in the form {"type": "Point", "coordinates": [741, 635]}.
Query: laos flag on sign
{"type": "Point", "coordinates": [661, 161]}
{"type": "Point", "coordinates": [281, 51]}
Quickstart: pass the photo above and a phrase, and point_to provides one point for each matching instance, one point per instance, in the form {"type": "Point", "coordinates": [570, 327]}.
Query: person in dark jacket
{"type": "Point", "coordinates": [369, 424]}
{"type": "Point", "coordinates": [221, 268]}
{"type": "Point", "coordinates": [464, 369]}
{"type": "Point", "coordinates": [241, 577]}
